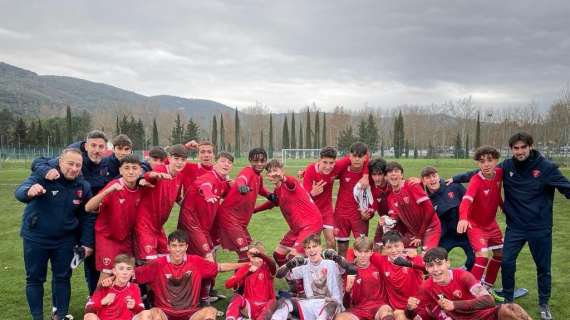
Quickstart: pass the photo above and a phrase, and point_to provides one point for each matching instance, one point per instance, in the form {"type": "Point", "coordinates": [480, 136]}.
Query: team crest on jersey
{"type": "Point", "coordinates": [260, 277]}
{"type": "Point", "coordinates": [511, 173]}
{"type": "Point", "coordinates": [347, 179]}
{"type": "Point", "coordinates": [121, 200]}
{"type": "Point", "coordinates": [79, 193]}
{"type": "Point", "coordinates": [406, 200]}
{"type": "Point", "coordinates": [435, 207]}
{"type": "Point", "coordinates": [387, 273]}
{"type": "Point", "coordinates": [358, 281]}
{"type": "Point", "coordinates": [376, 274]}
{"type": "Point", "coordinates": [54, 192]}
{"type": "Point", "coordinates": [76, 201]}
{"type": "Point", "coordinates": [536, 173]}
{"type": "Point", "coordinates": [240, 241]}
{"type": "Point", "coordinates": [206, 247]}
{"type": "Point", "coordinates": [148, 248]}
{"type": "Point", "coordinates": [457, 293]}
{"type": "Point", "coordinates": [106, 261]}
{"type": "Point", "coordinates": [486, 192]}
{"type": "Point", "coordinates": [451, 195]}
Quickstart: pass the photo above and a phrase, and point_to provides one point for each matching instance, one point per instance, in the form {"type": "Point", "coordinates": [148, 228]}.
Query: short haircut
{"type": "Point", "coordinates": [392, 236]}
{"type": "Point", "coordinates": [521, 136]}
{"type": "Point", "coordinates": [314, 238]}
{"type": "Point", "coordinates": [359, 149]}
{"type": "Point", "coordinates": [122, 140]}
{"type": "Point", "coordinates": [70, 150]}
{"type": "Point", "coordinates": [391, 166]}
{"type": "Point", "coordinates": [328, 152]}
{"type": "Point", "coordinates": [435, 254]}
{"type": "Point", "coordinates": [131, 158]}
{"type": "Point", "coordinates": [428, 171]}
{"type": "Point", "coordinates": [377, 166]}
{"type": "Point", "coordinates": [205, 143]}
{"type": "Point", "coordinates": [225, 154]}
{"type": "Point", "coordinates": [362, 243]}
{"type": "Point", "coordinates": [273, 163]}
{"type": "Point", "coordinates": [157, 152]}
{"type": "Point", "coordinates": [124, 258]}
{"type": "Point", "coordinates": [96, 134]}
{"type": "Point", "coordinates": [178, 235]}
{"type": "Point", "coordinates": [178, 150]}
{"type": "Point", "coordinates": [257, 154]}
{"type": "Point", "coordinates": [257, 245]}
{"type": "Point", "coordinates": [484, 151]}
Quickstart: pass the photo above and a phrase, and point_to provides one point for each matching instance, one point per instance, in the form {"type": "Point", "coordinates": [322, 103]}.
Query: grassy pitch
{"type": "Point", "coordinates": [269, 227]}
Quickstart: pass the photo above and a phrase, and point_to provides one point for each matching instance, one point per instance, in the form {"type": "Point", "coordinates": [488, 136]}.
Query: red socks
{"type": "Point", "coordinates": [492, 270]}
{"type": "Point", "coordinates": [479, 267]}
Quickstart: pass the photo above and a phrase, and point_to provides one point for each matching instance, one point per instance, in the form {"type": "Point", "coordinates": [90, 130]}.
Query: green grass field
{"type": "Point", "coordinates": [268, 227]}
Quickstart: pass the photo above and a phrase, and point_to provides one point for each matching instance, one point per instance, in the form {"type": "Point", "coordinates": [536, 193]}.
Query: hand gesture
{"type": "Point", "coordinates": [115, 187]}
{"type": "Point", "coordinates": [108, 299]}
{"type": "Point", "coordinates": [107, 282]}
{"type": "Point", "coordinates": [364, 182]}
{"type": "Point", "coordinates": [414, 180]}
{"type": "Point", "coordinates": [145, 183]}
{"type": "Point", "coordinates": [52, 174]}
{"type": "Point", "coordinates": [402, 262]}
{"type": "Point", "coordinates": [330, 254]}
{"type": "Point", "coordinates": [36, 190]}
{"type": "Point", "coordinates": [446, 304]}
{"type": "Point", "coordinates": [130, 302]}
{"type": "Point", "coordinates": [276, 176]}
{"type": "Point", "coordinates": [192, 144]}
{"type": "Point", "coordinates": [253, 268]}
{"type": "Point", "coordinates": [366, 214]}
{"type": "Point", "coordinates": [449, 181]}
{"type": "Point", "coordinates": [243, 189]}
{"type": "Point", "coordinates": [462, 226]}
{"type": "Point", "coordinates": [318, 187]}
{"type": "Point", "coordinates": [160, 175]}
{"type": "Point", "coordinates": [415, 243]}
{"type": "Point", "coordinates": [413, 303]}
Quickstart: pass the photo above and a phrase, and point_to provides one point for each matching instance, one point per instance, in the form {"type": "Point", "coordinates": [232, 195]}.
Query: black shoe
{"type": "Point", "coordinates": [519, 292]}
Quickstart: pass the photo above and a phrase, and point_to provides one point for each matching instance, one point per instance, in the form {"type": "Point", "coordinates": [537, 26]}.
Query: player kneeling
{"type": "Point", "coordinates": [122, 300]}
{"type": "Point", "coordinates": [456, 294]}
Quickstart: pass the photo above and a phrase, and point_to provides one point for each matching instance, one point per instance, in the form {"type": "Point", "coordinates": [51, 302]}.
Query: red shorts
{"type": "Point", "coordinates": [106, 249]}
{"type": "Point", "coordinates": [367, 310]}
{"type": "Point", "coordinates": [484, 239]}
{"type": "Point", "coordinates": [233, 237]}
{"type": "Point", "coordinates": [150, 244]}
{"type": "Point", "coordinates": [430, 238]}
{"type": "Point", "coordinates": [328, 217]}
{"type": "Point", "coordinates": [294, 238]}
{"type": "Point", "coordinates": [345, 225]}
{"type": "Point", "coordinates": [199, 242]}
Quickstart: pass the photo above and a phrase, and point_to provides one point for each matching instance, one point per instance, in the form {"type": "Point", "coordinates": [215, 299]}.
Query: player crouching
{"type": "Point", "coordinates": [456, 294]}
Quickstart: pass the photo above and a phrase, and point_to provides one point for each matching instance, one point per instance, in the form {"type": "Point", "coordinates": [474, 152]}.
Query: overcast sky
{"type": "Point", "coordinates": [287, 54]}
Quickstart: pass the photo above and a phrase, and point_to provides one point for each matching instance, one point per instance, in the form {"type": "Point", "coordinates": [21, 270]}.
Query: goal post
{"type": "Point", "coordinates": [299, 154]}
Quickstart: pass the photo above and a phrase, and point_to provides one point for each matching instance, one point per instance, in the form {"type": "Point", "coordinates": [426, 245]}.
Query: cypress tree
{"type": "Point", "coordinates": [69, 127]}
{"type": "Point", "coordinates": [237, 136]}
{"type": "Point", "coordinates": [300, 135]}
{"type": "Point", "coordinates": [382, 148]}
{"type": "Point", "coordinates": [222, 134]}
{"type": "Point", "coordinates": [285, 135]}
{"type": "Point", "coordinates": [293, 141]}
{"type": "Point", "coordinates": [20, 132]}
{"type": "Point", "coordinates": [270, 147]}
{"type": "Point", "coordinates": [308, 142]}
{"type": "Point", "coordinates": [177, 131]}
{"type": "Point", "coordinates": [401, 129]}
{"type": "Point", "coordinates": [478, 131]}
{"type": "Point", "coordinates": [324, 138]}
{"type": "Point", "coordinates": [215, 133]}
{"type": "Point", "coordinates": [362, 131]}
{"type": "Point", "coordinates": [261, 139]}
{"type": "Point", "coordinates": [155, 138]}
{"type": "Point", "coordinates": [457, 153]}
{"type": "Point", "coordinates": [317, 142]}
{"type": "Point", "coordinates": [117, 127]}
{"type": "Point", "coordinates": [396, 136]}
{"type": "Point", "coordinates": [467, 147]}
{"type": "Point", "coordinates": [372, 133]}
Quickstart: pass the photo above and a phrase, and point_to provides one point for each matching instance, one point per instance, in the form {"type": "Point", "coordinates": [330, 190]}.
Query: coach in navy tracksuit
{"type": "Point", "coordinates": [529, 181]}
{"type": "Point", "coordinates": [95, 171]}
{"type": "Point", "coordinates": [52, 218]}
{"type": "Point", "coordinates": [446, 200]}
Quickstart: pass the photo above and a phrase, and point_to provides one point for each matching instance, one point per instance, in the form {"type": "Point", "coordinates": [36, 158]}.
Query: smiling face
{"type": "Point", "coordinates": [177, 251]}
{"type": "Point", "coordinates": [362, 257]}
{"type": "Point", "coordinates": [378, 178]}
{"type": "Point", "coordinates": [313, 251]}
{"type": "Point", "coordinates": [326, 165]}
{"type": "Point", "coordinates": [176, 164]}
{"type": "Point", "coordinates": [258, 163]}
{"type": "Point", "coordinates": [432, 182]}
{"type": "Point", "coordinates": [274, 174]}
{"type": "Point", "coordinates": [487, 164]}
{"type": "Point", "coordinates": [123, 272]}
{"type": "Point", "coordinates": [394, 249]}
{"type": "Point", "coordinates": [439, 271]}
{"type": "Point", "coordinates": [520, 150]}
{"type": "Point", "coordinates": [70, 165]}
{"type": "Point", "coordinates": [395, 178]}
{"type": "Point", "coordinates": [130, 172]}
{"type": "Point", "coordinates": [95, 148]}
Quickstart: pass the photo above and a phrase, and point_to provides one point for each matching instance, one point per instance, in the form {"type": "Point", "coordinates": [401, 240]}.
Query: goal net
{"type": "Point", "coordinates": [300, 154]}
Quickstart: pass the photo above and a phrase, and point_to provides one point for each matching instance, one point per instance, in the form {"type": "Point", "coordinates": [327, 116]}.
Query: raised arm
{"type": "Point", "coordinates": [557, 180]}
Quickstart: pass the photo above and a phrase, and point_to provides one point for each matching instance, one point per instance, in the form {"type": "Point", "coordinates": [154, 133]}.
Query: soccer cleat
{"type": "Point", "coordinates": [519, 292]}
{"type": "Point", "coordinates": [545, 313]}
{"type": "Point", "coordinates": [216, 294]}
{"type": "Point", "coordinates": [66, 317]}
{"type": "Point", "coordinates": [498, 298]}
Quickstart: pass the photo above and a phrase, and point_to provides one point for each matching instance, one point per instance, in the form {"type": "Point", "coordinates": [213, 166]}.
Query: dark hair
{"type": "Point", "coordinates": [178, 150]}
{"type": "Point", "coordinates": [486, 150]}
{"type": "Point", "coordinates": [131, 158]}
{"type": "Point", "coordinates": [257, 153]}
{"type": "Point", "coordinates": [225, 154]}
{"type": "Point", "coordinates": [391, 166]}
{"type": "Point", "coordinates": [359, 149]}
{"type": "Point", "coordinates": [273, 163]}
{"type": "Point", "coordinates": [315, 238]}
{"type": "Point", "coordinates": [428, 171]}
{"type": "Point", "coordinates": [178, 235]}
{"type": "Point", "coordinates": [157, 152]}
{"type": "Point", "coordinates": [124, 258]}
{"type": "Point", "coordinates": [122, 140]}
{"type": "Point", "coordinates": [328, 152]}
{"type": "Point", "coordinates": [362, 243]}
{"type": "Point", "coordinates": [521, 136]}
{"type": "Point", "coordinates": [96, 134]}
{"type": "Point", "coordinates": [377, 166]}
{"type": "Point", "coordinates": [435, 254]}
{"type": "Point", "coordinates": [392, 236]}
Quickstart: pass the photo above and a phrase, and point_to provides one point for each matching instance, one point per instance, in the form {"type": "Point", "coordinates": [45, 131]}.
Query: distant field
{"type": "Point", "coordinates": [268, 227]}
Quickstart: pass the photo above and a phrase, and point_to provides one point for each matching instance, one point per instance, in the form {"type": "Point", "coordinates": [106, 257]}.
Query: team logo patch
{"type": "Point", "coordinates": [206, 247]}
{"type": "Point", "coordinates": [240, 241]}
{"type": "Point", "coordinates": [76, 201]}
{"type": "Point", "coordinates": [261, 276]}
{"type": "Point", "coordinates": [121, 201]}
{"type": "Point", "coordinates": [347, 179]}
{"type": "Point", "coordinates": [451, 195]}
{"type": "Point", "coordinates": [486, 192]}
{"type": "Point", "coordinates": [457, 293]}
{"type": "Point", "coordinates": [106, 261]}
{"type": "Point", "coordinates": [54, 192]}
{"type": "Point", "coordinates": [148, 248]}
{"type": "Point", "coordinates": [406, 200]}
{"type": "Point", "coordinates": [79, 193]}
{"type": "Point", "coordinates": [376, 274]}
{"type": "Point", "coordinates": [387, 273]}
{"type": "Point", "coordinates": [511, 173]}
{"type": "Point", "coordinates": [536, 173]}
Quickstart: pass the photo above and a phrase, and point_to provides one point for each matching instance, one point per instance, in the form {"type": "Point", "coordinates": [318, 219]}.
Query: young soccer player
{"type": "Point", "coordinates": [477, 215]}
{"type": "Point", "coordinates": [255, 280]}
{"type": "Point", "coordinates": [402, 274]}
{"type": "Point", "coordinates": [157, 202]}
{"type": "Point", "coordinates": [347, 215]}
{"type": "Point", "coordinates": [117, 206]}
{"type": "Point", "coordinates": [411, 208]}
{"type": "Point", "coordinates": [321, 281]}
{"type": "Point", "coordinates": [456, 294]}
{"type": "Point", "coordinates": [122, 146]}
{"type": "Point", "coordinates": [156, 157]}
{"type": "Point", "coordinates": [122, 300]}
{"type": "Point", "coordinates": [205, 163]}
{"type": "Point", "coordinates": [380, 189]}
{"type": "Point", "coordinates": [367, 293]}
{"type": "Point", "coordinates": [446, 200]}
{"type": "Point", "coordinates": [318, 180]}
{"type": "Point", "coordinates": [235, 212]}
{"type": "Point", "coordinates": [298, 209]}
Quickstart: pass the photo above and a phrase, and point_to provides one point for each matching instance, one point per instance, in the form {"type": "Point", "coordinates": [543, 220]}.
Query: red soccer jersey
{"type": "Point", "coordinates": [400, 282]}
{"type": "Point", "coordinates": [312, 175]}
{"type": "Point", "coordinates": [346, 206]}
{"type": "Point", "coordinates": [482, 198]}
{"type": "Point", "coordinates": [460, 287]}
{"type": "Point", "coordinates": [380, 196]}
{"type": "Point", "coordinates": [257, 286]}
{"type": "Point", "coordinates": [118, 212]}
{"type": "Point", "coordinates": [196, 211]}
{"type": "Point", "coordinates": [368, 287]}
{"type": "Point", "coordinates": [117, 310]}
{"type": "Point", "coordinates": [191, 172]}
{"type": "Point", "coordinates": [297, 207]}
{"type": "Point", "coordinates": [237, 209]}
{"type": "Point", "coordinates": [412, 207]}
{"type": "Point", "coordinates": [177, 287]}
